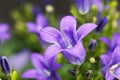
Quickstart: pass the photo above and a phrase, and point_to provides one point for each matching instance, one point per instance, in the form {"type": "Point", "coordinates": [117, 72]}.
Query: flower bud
{"type": "Point", "coordinates": [101, 24]}
{"type": "Point", "coordinates": [92, 60]}
{"type": "Point", "coordinates": [5, 65]}
{"type": "Point", "coordinates": [89, 73]}
{"type": "Point", "coordinates": [92, 44]}
{"type": "Point", "coordinates": [72, 71]}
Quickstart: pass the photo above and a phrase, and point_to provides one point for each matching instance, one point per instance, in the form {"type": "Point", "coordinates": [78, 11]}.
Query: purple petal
{"type": "Point", "coordinates": [38, 61]}
{"type": "Point", "coordinates": [31, 27]}
{"type": "Point", "coordinates": [52, 51]}
{"type": "Point", "coordinates": [115, 39]}
{"type": "Point", "coordinates": [104, 60]}
{"type": "Point", "coordinates": [117, 73]}
{"type": "Point", "coordinates": [109, 76]}
{"type": "Point", "coordinates": [78, 50]}
{"type": "Point", "coordinates": [41, 21]}
{"type": "Point", "coordinates": [22, 58]}
{"type": "Point", "coordinates": [4, 28]}
{"type": "Point", "coordinates": [30, 74]}
{"type": "Point", "coordinates": [106, 41]}
{"type": "Point", "coordinates": [68, 23]}
{"type": "Point", "coordinates": [4, 36]}
{"type": "Point", "coordinates": [85, 29]}
{"type": "Point", "coordinates": [75, 55]}
{"type": "Point", "coordinates": [72, 59]}
{"type": "Point", "coordinates": [115, 56]}
{"type": "Point", "coordinates": [54, 76]}
{"type": "Point", "coordinates": [68, 28]}
{"type": "Point", "coordinates": [50, 35]}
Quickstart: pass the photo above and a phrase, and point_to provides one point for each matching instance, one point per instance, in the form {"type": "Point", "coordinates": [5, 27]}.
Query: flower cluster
{"type": "Point", "coordinates": [110, 61]}
{"type": "Point", "coordinates": [68, 47]}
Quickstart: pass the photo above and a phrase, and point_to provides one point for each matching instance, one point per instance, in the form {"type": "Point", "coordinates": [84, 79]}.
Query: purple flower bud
{"type": "Point", "coordinates": [101, 24]}
{"type": "Point", "coordinates": [92, 44]}
{"type": "Point", "coordinates": [5, 65]}
{"type": "Point", "coordinates": [83, 5]}
{"type": "Point", "coordinates": [89, 73]}
{"type": "Point", "coordinates": [72, 71]}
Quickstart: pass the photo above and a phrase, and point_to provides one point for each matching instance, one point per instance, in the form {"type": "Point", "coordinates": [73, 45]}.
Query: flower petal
{"type": "Point", "coordinates": [72, 59]}
{"type": "Point", "coordinates": [85, 29]}
{"type": "Point", "coordinates": [115, 59]}
{"type": "Point", "coordinates": [109, 76]}
{"type": "Point", "coordinates": [4, 28]}
{"type": "Point", "coordinates": [30, 74]}
{"type": "Point", "coordinates": [68, 23]}
{"type": "Point", "coordinates": [31, 27]}
{"type": "Point", "coordinates": [115, 39]}
{"type": "Point", "coordinates": [106, 41]}
{"type": "Point", "coordinates": [38, 61]}
{"type": "Point", "coordinates": [54, 76]}
{"type": "Point", "coordinates": [104, 59]}
{"type": "Point", "coordinates": [50, 35]}
{"type": "Point", "coordinates": [78, 50]}
{"type": "Point", "coordinates": [68, 28]}
{"type": "Point", "coordinates": [41, 21]}
{"type": "Point", "coordinates": [75, 55]}
{"type": "Point", "coordinates": [52, 51]}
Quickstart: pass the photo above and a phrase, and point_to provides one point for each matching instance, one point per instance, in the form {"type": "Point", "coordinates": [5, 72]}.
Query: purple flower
{"type": "Point", "coordinates": [40, 23]}
{"type": "Point", "coordinates": [111, 65]}
{"type": "Point", "coordinates": [85, 5]}
{"type": "Point", "coordinates": [68, 41]}
{"type": "Point", "coordinates": [112, 43]}
{"type": "Point", "coordinates": [44, 70]}
{"type": "Point", "coordinates": [4, 35]}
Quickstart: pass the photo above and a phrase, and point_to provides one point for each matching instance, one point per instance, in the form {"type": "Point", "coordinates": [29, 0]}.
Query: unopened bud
{"type": "Point", "coordinates": [92, 44]}
{"type": "Point", "coordinates": [89, 73]}
{"type": "Point", "coordinates": [92, 60]}
{"type": "Point", "coordinates": [101, 24]}
{"type": "Point", "coordinates": [72, 71]}
{"type": "Point", "coordinates": [5, 65]}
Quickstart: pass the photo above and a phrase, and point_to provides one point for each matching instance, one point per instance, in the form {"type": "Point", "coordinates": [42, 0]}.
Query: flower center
{"type": "Point", "coordinates": [39, 28]}
{"type": "Point", "coordinates": [47, 72]}
{"type": "Point", "coordinates": [112, 68]}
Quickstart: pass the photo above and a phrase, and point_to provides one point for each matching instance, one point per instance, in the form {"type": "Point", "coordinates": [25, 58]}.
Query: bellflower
{"type": "Point", "coordinates": [4, 34]}
{"type": "Point", "coordinates": [85, 5]}
{"type": "Point", "coordinates": [111, 65]}
{"type": "Point", "coordinates": [112, 43]}
{"type": "Point", "coordinates": [44, 70]}
{"type": "Point", "coordinates": [40, 23]}
{"type": "Point", "coordinates": [68, 41]}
